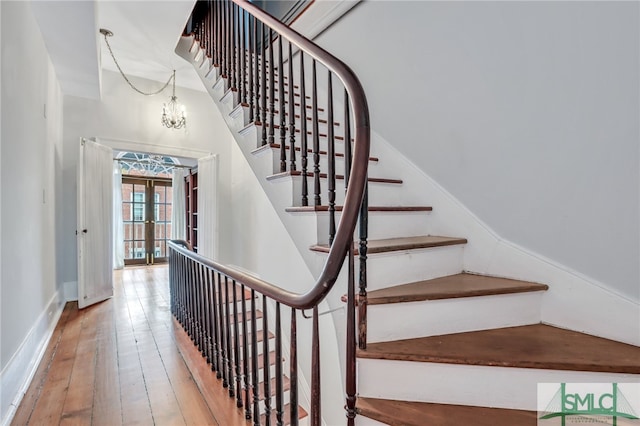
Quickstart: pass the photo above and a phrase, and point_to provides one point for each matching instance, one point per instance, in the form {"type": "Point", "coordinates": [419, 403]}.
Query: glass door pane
{"type": "Point", "coordinates": [133, 217]}
{"type": "Point", "coordinates": [162, 210]}
{"type": "Point", "coordinates": [146, 213]}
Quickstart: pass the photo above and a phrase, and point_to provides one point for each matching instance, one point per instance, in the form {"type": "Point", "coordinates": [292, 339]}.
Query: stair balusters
{"type": "Point", "coordinates": [331, 163]}
{"type": "Point", "coordinates": [245, 46]}
{"type": "Point", "coordinates": [303, 133]}
{"type": "Point", "coordinates": [263, 83]}
{"type": "Point", "coordinates": [316, 136]}
{"type": "Point", "coordinates": [245, 355]}
{"type": "Point", "coordinates": [283, 117]}
{"type": "Point", "coordinates": [272, 90]}
{"type": "Point", "coordinates": [292, 115]}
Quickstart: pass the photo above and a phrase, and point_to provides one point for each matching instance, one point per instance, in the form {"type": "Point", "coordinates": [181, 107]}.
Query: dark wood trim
{"type": "Point", "coordinates": [302, 11]}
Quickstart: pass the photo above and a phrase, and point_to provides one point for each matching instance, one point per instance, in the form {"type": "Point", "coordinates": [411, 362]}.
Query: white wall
{"type": "Point", "coordinates": [30, 156]}
{"type": "Point", "coordinates": [128, 120]}
{"type": "Point", "coordinates": [527, 112]}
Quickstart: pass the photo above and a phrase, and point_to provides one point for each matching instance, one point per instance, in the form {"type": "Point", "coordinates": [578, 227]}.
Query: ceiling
{"type": "Point", "coordinates": [145, 36]}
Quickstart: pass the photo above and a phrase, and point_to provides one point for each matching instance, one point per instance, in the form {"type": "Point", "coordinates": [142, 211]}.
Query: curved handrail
{"type": "Point", "coordinates": [343, 240]}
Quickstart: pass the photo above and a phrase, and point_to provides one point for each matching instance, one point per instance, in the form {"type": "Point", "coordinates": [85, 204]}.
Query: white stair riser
{"type": "Point", "coordinates": [393, 268]}
{"type": "Point", "coordinates": [272, 372]}
{"type": "Point", "coordinates": [380, 194]}
{"type": "Point", "coordinates": [501, 387]}
{"type": "Point", "coordinates": [323, 141]}
{"type": "Point", "coordinates": [382, 225]}
{"type": "Point", "coordinates": [339, 163]}
{"type": "Point", "coordinates": [366, 421]}
{"type": "Point", "coordinates": [240, 329]}
{"type": "Point", "coordinates": [272, 401]}
{"type": "Point", "coordinates": [259, 347]}
{"type": "Point", "coordinates": [437, 317]}
{"type": "Point", "coordinates": [210, 76]}
{"type": "Point", "coordinates": [297, 108]}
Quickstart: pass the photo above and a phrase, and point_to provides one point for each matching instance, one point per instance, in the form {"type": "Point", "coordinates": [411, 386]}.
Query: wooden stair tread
{"type": "Point", "coordinates": [408, 413]}
{"type": "Point", "coordinates": [531, 346]}
{"type": "Point", "coordinates": [449, 287]}
{"type": "Point", "coordinates": [324, 176]}
{"type": "Point", "coordinates": [239, 317]}
{"type": "Point", "coordinates": [298, 149]}
{"type": "Point", "coordinates": [286, 385]}
{"type": "Point", "coordinates": [259, 336]}
{"type": "Point", "coordinates": [305, 209]}
{"type": "Point", "coordinates": [398, 244]}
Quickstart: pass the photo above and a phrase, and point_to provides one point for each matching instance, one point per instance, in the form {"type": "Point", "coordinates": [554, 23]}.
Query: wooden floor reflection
{"type": "Point", "coordinates": [125, 361]}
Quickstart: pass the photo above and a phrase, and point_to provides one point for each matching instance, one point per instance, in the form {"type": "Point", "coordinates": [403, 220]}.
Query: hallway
{"type": "Point", "coordinates": [125, 361]}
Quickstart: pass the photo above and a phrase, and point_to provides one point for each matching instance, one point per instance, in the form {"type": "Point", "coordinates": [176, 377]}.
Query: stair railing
{"type": "Point", "coordinates": [263, 62]}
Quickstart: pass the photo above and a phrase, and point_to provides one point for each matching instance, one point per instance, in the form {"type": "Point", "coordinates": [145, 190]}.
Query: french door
{"type": "Point", "coordinates": [146, 214]}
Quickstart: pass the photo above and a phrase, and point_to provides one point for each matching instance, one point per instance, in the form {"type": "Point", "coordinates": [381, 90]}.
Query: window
{"type": "Point", "coordinates": [156, 216]}
{"type": "Point", "coordinates": [138, 206]}
{"type": "Point", "coordinates": [145, 237]}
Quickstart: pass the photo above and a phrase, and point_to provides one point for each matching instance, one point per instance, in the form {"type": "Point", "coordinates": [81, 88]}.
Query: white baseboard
{"type": "Point", "coordinates": [18, 373]}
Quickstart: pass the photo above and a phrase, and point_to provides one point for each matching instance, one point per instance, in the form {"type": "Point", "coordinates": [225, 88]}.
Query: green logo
{"type": "Point", "coordinates": [586, 401]}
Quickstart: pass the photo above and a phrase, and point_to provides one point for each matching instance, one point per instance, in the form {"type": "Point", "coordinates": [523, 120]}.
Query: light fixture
{"type": "Point", "coordinates": [173, 114]}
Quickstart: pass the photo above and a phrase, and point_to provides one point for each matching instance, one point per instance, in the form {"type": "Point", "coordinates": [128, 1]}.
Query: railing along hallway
{"type": "Point", "coordinates": [273, 72]}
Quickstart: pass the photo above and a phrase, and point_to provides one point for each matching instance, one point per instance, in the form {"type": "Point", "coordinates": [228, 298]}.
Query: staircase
{"type": "Point", "coordinates": [439, 345]}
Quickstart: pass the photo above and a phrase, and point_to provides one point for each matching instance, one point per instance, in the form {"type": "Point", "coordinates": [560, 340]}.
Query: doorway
{"type": "Point", "coordinates": [146, 217]}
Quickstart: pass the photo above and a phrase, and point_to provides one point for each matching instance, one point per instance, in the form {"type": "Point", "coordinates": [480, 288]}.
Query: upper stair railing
{"type": "Point", "coordinates": [263, 62]}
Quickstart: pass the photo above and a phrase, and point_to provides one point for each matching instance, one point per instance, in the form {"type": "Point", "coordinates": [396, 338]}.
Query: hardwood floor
{"type": "Point", "coordinates": [125, 361]}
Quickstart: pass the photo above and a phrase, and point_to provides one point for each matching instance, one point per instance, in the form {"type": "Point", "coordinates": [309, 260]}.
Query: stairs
{"type": "Point", "coordinates": [421, 413]}
{"type": "Point", "coordinates": [445, 346]}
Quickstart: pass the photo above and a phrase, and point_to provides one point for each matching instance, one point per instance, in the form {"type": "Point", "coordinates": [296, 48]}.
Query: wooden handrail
{"type": "Point", "coordinates": [243, 41]}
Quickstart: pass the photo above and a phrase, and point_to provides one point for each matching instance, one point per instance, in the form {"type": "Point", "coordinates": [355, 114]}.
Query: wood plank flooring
{"type": "Point", "coordinates": [125, 361]}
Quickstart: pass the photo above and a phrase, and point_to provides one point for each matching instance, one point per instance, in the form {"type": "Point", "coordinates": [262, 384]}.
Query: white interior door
{"type": "Point", "coordinates": [208, 206]}
{"type": "Point", "coordinates": [95, 217]}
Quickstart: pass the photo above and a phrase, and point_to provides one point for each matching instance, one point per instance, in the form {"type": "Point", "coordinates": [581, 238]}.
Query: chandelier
{"type": "Point", "coordinates": [173, 114]}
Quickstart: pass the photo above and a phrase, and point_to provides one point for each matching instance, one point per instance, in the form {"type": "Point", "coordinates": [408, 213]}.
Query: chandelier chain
{"type": "Point", "coordinates": [172, 77]}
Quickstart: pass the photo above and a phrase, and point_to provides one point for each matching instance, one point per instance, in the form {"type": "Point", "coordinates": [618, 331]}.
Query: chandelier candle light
{"type": "Point", "coordinates": [174, 115]}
